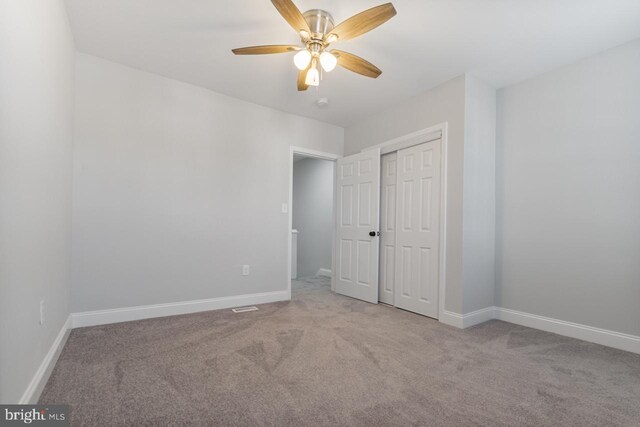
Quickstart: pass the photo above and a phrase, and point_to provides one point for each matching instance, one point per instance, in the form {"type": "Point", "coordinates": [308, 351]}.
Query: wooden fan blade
{"type": "Point", "coordinates": [265, 50]}
{"type": "Point", "coordinates": [356, 64]}
{"type": "Point", "coordinates": [292, 15]}
{"type": "Point", "coordinates": [302, 75]}
{"type": "Point", "coordinates": [364, 22]}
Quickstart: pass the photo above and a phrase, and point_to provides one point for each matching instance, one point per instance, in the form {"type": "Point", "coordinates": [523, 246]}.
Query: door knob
{"type": "Point", "coordinates": [373, 233]}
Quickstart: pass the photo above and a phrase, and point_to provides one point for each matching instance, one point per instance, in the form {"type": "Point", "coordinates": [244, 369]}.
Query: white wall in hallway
{"type": "Point", "coordinates": [568, 193]}
{"type": "Point", "coordinates": [313, 213]}
{"type": "Point", "coordinates": [36, 131]}
{"type": "Point", "coordinates": [176, 187]}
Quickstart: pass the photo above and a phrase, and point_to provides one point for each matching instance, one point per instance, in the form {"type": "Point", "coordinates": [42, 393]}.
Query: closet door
{"type": "Point", "coordinates": [388, 227]}
{"type": "Point", "coordinates": [358, 213]}
{"type": "Point", "coordinates": [418, 229]}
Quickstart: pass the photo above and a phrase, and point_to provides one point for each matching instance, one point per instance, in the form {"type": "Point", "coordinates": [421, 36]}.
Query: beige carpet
{"type": "Point", "coordinates": [324, 359]}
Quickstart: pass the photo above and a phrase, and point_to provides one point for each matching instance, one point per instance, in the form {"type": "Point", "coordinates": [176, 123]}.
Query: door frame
{"type": "Point", "coordinates": [432, 133]}
{"type": "Point", "coordinates": [307, 152]}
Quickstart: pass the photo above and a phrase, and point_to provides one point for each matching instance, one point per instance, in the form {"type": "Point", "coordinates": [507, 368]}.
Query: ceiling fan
{"type": "Point", "coordinates": [317, 32]}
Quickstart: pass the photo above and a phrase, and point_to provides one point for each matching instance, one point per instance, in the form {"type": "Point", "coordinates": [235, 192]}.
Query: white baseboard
{"type": "Point", "coordinates": [324, 272]}
{"type": "Point", "coordinates": [592, 334]}
{"type": "Point", "coordinates": [450, 318]}
{"type": "Point", "coordinates": [466, 320]}
{"type": "Point", "coordinates": [39, 380]}
{"type": "Point", "coordinates": [574, 330]}
{"type": "Point", "coordinates": [478, 316]}
{"type": "Point", "coordinates": [116, 315]}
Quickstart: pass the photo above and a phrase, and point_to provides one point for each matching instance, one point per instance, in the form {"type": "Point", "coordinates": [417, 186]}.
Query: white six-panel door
{"type": "Point", "coordinates": [358, 212]}
{"type": "Point", "coordinates": [417, 234]}
{"type": "Point", "coordinates": [388, 227]}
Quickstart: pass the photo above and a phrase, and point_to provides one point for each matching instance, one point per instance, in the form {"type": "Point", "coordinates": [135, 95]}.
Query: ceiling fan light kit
{"type": "Point", "coordinates": [328, 61]}
{"type": "Point", "coordinates": [317, 32]}
{"type": "Point", "coordinates": [313, 76]}
{"type": "Point", "coordinates": [302, 59]}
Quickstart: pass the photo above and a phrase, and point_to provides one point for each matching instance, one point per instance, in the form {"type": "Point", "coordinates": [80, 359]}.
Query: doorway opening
{"type": "Point", "coordinates": [312, 210]}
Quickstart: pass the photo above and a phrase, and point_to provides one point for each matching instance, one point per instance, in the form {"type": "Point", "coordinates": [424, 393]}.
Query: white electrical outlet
{"type": "Point", "coordinates": [42, 312]}
{"type": "Point", "coordinates": [245, 269]}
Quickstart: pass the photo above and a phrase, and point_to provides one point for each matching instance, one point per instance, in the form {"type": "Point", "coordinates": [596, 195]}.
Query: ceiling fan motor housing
{"type": "Point", "coordinates": [320, 22]}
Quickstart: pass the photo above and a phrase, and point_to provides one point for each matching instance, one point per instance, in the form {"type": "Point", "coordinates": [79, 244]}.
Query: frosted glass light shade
{"type": "Point", "coordinates": [328, 61]}
{"type": "Point", "coordinates": [331, 38]}
{"type": "Point", "coordinates": [313, 77]}
{"type": "Point", "coordinates": [302, 59]}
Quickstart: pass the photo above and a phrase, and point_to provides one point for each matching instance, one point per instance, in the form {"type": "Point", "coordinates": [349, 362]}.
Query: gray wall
{"type": "Point", "coordinates": [313, 213]}
{"type": "Point", "coordinates": [36, 106]}
{"type": "Point", "coordinates": [468, 105]}
{"type": "Point", "coordinates": [568, 193]}
{"type": "Point", "coordinates": [445, 103]}
{"type": "Point", "coordinates": [175, 187]}
{"type": "Point", "coordinates": [479, 218]}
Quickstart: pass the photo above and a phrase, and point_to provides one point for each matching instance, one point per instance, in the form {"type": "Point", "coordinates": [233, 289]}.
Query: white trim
{"type": "Point", "coordinates": [450, 318]}
{"type": "Point", "coordinates": [324, 272]}
{"type": "Point", "coordinates": [116, 315]}
{"type": "Point", "coordinates": [319, 155]}
{"type": "Point", "coordinates": [307, 152]}
{"type": "Point", "coordinates": [444, 150]}
{"type": "Point", "coordinates": [39, 380]}
{"type": "Point", "coordinates": [467, 320]}
{"type": "Point", "coordinates": [592, 334]}
{"type": "Point", "coordinates": [574, 330]}
{"type": "Point", "coordinates": [334, 227]}
{"type": "Point", "coordinates": [478, 316]}
{"type": "Point", "coordinates": [424, 135]}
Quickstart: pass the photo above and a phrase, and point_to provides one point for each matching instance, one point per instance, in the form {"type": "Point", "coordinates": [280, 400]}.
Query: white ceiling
{"type": "Point", "coordinates": [427, 43]}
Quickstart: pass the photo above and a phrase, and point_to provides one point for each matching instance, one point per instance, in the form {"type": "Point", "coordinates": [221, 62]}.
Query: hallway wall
{"type": "Point", "coordinates": [313, 213]}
